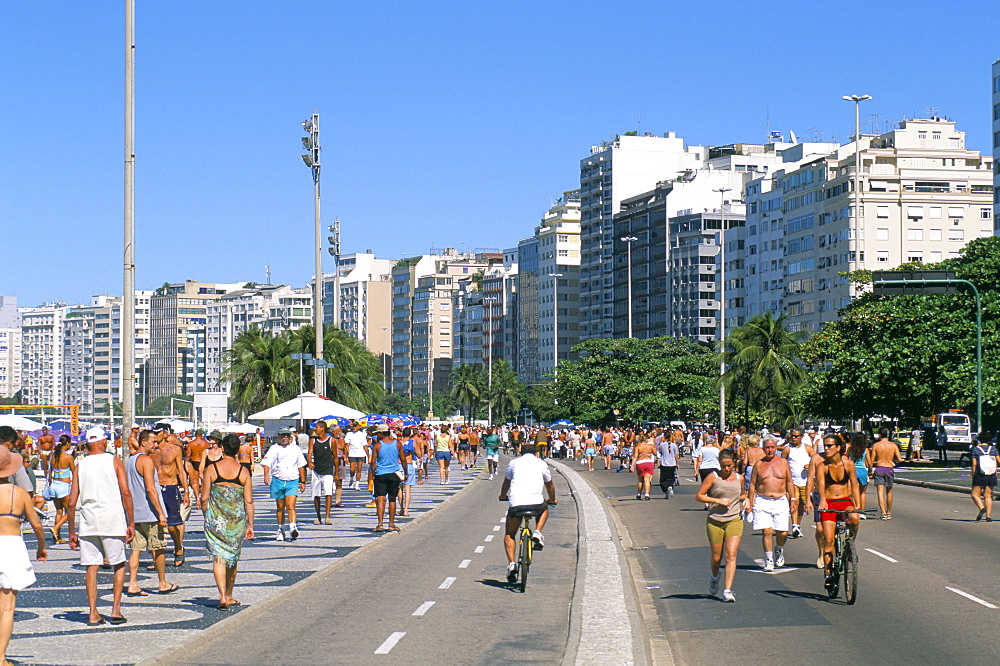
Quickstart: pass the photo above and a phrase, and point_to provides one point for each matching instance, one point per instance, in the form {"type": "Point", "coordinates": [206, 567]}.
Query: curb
{"type": "Point", "coordinates": [179, 653]}
{"type": "Point", "coordinates": [941, 486]}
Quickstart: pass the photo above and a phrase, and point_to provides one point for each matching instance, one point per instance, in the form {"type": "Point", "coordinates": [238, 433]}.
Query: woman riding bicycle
{"type": "Point", "coordinates": [837, 486]}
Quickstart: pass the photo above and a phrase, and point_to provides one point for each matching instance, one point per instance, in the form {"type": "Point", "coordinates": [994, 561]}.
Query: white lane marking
{"type": "Point", "coordinates": [480, 549]}
{"type": "Point", "coordinates": [465, 564]}
{"type": "Point", "coordinates": [882, 555]}
{"type": "Point", "coordinates": [424, 607]}
{"type": "Point", "coordinates": [496, 528]}
{"type": "Point", "coordinates": [488, 538]}
{"type": "Point", "coordinates": [970, 597]}
{"type": "Point", "coordinates": [447, 583]}
{"type": "Point", "coordinates": [390, 642]}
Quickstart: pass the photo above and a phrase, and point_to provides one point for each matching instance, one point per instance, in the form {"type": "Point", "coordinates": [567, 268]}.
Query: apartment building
{"type": "Point", "coordinates": [528, 277]}
{"type": "Point", "coordinates": [558, 282]}
{"type": "Point", "coordinates": [178, 345]}
{"type": "Point", "coordinates": [423, 292]}
{"type": "Point", "coordinates": [42, 354]}
{"type": "Point", "coordinates": [10, 347]}
{"type": "Point", "coordinates": [996, 143]}
{"type": "Point", "coordinates": [923, 197]}
{"type": "Point", "coordinates": [500, 305]}
{"type": "Point", "coordinates": [365, 300]}
{"type": "Point", "coordinates": [614, 171]}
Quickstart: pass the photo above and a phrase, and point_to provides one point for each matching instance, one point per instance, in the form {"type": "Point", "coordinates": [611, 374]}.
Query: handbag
{"type": "Point", "coordinates": [399, 473]}
{"type": "Point", "coordinates": [47, 490]}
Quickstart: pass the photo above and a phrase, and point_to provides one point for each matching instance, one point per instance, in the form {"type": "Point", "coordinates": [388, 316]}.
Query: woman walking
{"type": "Point", "coordinates": [62, 466]}
{"type": "Point", "coordinates": [15, 566]}
{"type": "Point", "coordinates": [227, 496]}
{"type": "Point", "coordinates": [723, 491]}
{"type": "Point", "coordinates": [444, 448]}
{"type": "Point", "coordinates": [858, 455]}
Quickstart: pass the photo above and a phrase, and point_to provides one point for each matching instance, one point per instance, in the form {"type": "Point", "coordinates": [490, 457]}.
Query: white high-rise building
{"type": "Point", "coordinates": [365, 301]}
{"type": "Point", "coordinates": [10, 347]}
{"type": "Point", "coordinates": [558, 282]}
{"type": "Point", "coordinates": [616, 170]}
{"type": "Point", "coordinates": [42, 354]}
{"type": "Point", "coordinates": [996, 144]}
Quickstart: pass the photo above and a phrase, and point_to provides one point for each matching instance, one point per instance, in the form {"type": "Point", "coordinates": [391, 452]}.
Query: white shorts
{"type": "Point", "coordinates": [322, 484]}
{"type": "Point", "coordinates": [94, 549]}
{"type": "Point", "coordinates": [495, 457]}
{"type": "Point", "coordinates": [771, 513]}
{"type": "Point", "coordinates": [16, 572]}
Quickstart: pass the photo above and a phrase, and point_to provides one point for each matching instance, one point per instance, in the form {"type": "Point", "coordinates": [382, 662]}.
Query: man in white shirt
{"type": "Point", "coordinates": [526, 481]}
{"type": "Point", "coordinates": [357, 453]}
{"type": "Point", "coordinates": [284, 464]}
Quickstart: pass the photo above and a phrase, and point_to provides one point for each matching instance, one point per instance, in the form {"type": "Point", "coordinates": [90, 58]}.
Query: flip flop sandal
{"type": "Point", "coordinates": [95, 624]}
{"type": "Point", "coordinates": [179, 558]}
{"type": "Point", "coordinates": [117, 620]}
{"type": "Point", "coordinates": [140, 593]}
{"type": "Point", "coordinates": [172, 588]}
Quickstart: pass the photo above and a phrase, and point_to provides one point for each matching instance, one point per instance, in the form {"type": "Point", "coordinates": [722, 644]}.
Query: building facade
{"type": "Point", "coordinates": [996, 144]}
{"type": "Point", "coordinates": [558, 282]}
{"type": "Point", "coordinates": [10, 347]}
{"type": "Point", "coordinates": [42, 354]}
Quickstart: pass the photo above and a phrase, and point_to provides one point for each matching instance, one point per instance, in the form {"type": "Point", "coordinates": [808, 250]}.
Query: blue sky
{"type": "Point", "coordinates": [443, 123]}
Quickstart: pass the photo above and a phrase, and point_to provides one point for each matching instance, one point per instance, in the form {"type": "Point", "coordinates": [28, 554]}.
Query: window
{"type": "Point", "coordinates": [915, 211]}
{"type": "Point", "coordinates": [882, 233]}
{"type": "Point", "coordinates": [915, 258]}
{"type": "Point", "coordinates": [936, 212]}
{"type": "Point", "coordinates": [935, 234]}
{"type": "Point", "coordinates": [985, 213]}
{"type": "Point", "coordinates": [882, 211]}
{"type": "Point", "coordinates": [935, 257]}
{"type": "Point", "coordinates": [915, 234]}
{"type": "Point", "coordinates": [882, 255]}
{"type": "Point", "coordinates": [956, 211]}
{"type": "Point", "coordinates": [956, 235]}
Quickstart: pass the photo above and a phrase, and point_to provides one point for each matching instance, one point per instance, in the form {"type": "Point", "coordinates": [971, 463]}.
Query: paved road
{"type": "Point", "coordinates": [434, 593]}
{"type": "Point", "coordinates": [910, 609]}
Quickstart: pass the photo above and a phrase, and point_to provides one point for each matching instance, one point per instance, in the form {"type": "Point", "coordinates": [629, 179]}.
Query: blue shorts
{"type": "Point", "coordinates": [172, 504]}
{"type": "Point", "coordinates": [443, 455]}
{"type": "Point", "coordinates": [281, 489]}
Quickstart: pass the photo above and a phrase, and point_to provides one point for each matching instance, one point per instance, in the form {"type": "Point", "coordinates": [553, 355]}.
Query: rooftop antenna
{"type": "Point", "coordinates": [932, 111]}
{"type": "Point", "coordinates": [267, 272]}
{"type": "Point", "coordinates": [638, 130]}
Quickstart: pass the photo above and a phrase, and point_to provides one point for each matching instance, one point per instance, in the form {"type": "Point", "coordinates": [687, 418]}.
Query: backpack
{"type": "Point", "coordinates": [987, 463]}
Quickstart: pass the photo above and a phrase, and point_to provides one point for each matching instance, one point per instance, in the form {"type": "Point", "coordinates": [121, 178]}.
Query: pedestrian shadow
{"type": "Point", "coordinates": [693, 597]}
{"type": "Point", "coordinates": [205, 602]}
{"type": "Point", "coordinates": [961, 520]}
{"type": "Point", "coordinates": [73, 616]}
{"type": "Point", "coordinates": [792, 594]}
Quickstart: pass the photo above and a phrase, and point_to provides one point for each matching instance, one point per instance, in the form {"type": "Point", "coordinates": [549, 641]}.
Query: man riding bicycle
{"type": "Point", "coordinates": [527, 479]}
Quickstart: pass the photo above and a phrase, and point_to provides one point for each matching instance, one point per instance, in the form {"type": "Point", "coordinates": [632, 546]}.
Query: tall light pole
{"type": "Point", "coordinates": [722, 306]}
{"type": "Point", "coordinates": [126, 369]}
{"type": "Point", "coordinates": [629, 239]}
{"type": "Point", "coordinates": [311, 143]}
{"type": "Point", "coordinates": [555, 322]}
{"type": "Point", "coordinates": [857, 99]}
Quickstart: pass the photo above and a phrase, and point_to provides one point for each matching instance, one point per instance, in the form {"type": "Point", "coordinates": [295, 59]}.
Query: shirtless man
{"type": "Point", "coordinates": [46, 444]}
{"type": "Point", "coordinates": [771, 499]}
{"type": "Point", "coordinates": [644, 462]}
{"type": "Point", "coordinates": [798, 454]}
{"type": "Point", "coordinates": [882, 458]}
{"type": "Point", "coordinates": [196, 451]}
{"type": "Point", "coordinates": [837, 485]}
{"type": "Point", "coordinates": [133, 439]}
{"type": "Point", "coordinates": [607, 447]}
{"type": "Point", "coordinates": [173, 481]}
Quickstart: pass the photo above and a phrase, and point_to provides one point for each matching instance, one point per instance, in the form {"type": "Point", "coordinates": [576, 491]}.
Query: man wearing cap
{"type": "Point", "coordinates": [283, 465]}
{"type": "Point", "coordinates": [100, 487]}
{"type": "Point", "coordinates": [173, 484]}
{"type": "Point", "coordinates": [388, 468]}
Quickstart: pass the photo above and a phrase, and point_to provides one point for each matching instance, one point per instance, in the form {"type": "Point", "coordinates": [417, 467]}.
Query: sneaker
{"type": "Point", "coordinates": [670, 492]}
{"type": "Point", "coordinates": [512, 572]}
{"type": "Point", "coordinates": [819, 562]}
{"type": "Point", "coordinates": [645, 497]}
{"type": "Point", "coordinates": [888, 516]}
{"type": "Point", "coordinates": [795, 533]}
{"type": "Point", "coordinates": [638, 496]}
{"type": "Point", "coordinates": [988, 519]}
{"type": "Point", "coordinates": [779, 559]}
{"type": "Point", "coordinates": [280, 536]}
{"type": "Point", "coordinates": [727, 595]}
{"type": "Point", "coordinates": [491, 477]}
{"type": "Point", "coordinates": [442, 483]}
{"type": "Point", "coordinates": [862, 516]}
{"type": "Point", "coordinates": [295, 534]}
{"type": "Point", "coordinates": [769, 565]}
{"type": "Point", "coordinates": [713, 585]}
{"type": "Point", "coordinates": [884, 516]}
{"type": "Point", "coordinates": [982, 514]}
{"type": "Point", "coordinates": [538, 540]}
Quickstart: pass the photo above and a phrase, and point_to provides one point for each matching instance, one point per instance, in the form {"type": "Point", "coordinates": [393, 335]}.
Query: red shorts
{"type": "Point", "coordinates": [644, 468]}
{"type": "Point", "coordinates": [840, 504]}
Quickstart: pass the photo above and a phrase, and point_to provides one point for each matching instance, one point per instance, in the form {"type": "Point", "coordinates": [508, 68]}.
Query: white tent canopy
{"type": "Point", "coordinates": [241, 428]}
{"type": "Point", "coordinates": [307, 406]}
{"type": "Point", "coordinates": [18, 422]}
{"type": "Point", "coordinates": [178, 425]}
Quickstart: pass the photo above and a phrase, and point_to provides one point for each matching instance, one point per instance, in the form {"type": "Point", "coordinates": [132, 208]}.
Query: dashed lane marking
{"type": "Point", "coordinates": [488, 538]}
{"type": "Point", "coordinates": [480, 549]}
{"type": "Point", "coordinates": [447, 583]}
{"type": "Point", "coordinates": [390, 642]}
{"type": "Point", "coordinates": [882, 555]}
{"type": "Point", "coordinates": [424, 607]}
{"type": "Point", "coordinates": [970, 597]}
{"type": "Point", "coordinates": [465, 564]}
{"type": "Point", "coordinates": [496, 528]}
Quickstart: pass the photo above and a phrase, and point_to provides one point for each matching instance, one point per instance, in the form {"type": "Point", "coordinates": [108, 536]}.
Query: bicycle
{"type": "Point", "coordinates": [845, 561]}
{"type": "Point", "coordinates": [525, 544]}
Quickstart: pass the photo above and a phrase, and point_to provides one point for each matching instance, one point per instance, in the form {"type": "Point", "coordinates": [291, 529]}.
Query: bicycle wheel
{"type": "Point", "coordinates": [850, 572]}
{"type": "Point", "coordinates": [524, 559]}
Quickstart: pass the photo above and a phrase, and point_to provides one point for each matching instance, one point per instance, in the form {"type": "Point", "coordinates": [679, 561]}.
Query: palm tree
{"type": "Point", "coordinates": [761, 357]}
{"type": "Point", "coordinates": [259, 370]}
{"type": "Point", "coordinates": [506, 390]}
{"type": "Point", "coordinates": [355, 378]}
{"type": "Point", "coordinates": [466, 381]}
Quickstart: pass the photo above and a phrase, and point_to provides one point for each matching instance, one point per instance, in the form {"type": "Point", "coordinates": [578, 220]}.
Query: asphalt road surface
{"type": "Point", "coordinates": [435, 593]}
{"type": "Point", "coordinates": [928, 589]}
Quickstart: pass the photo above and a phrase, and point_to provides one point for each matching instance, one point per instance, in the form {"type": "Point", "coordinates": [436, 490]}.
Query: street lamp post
{"type": "Point", "coordinates": [722, 306]}
{"type": "Point", "coordinates": [311, 143]}
{"type": "Point", "coordinates": [300, 357]}
{"type": "Point", "coordinates": [857, 99]}
{"type": "Point", "coordinates": [126, 369]}
{"type": "Point", "coordinates": [628, 240]}
{"type": "Point", "coordinates": [555, 323]}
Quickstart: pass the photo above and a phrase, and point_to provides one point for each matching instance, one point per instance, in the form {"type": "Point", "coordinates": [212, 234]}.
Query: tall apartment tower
{"type": "Point", "coordinates": [923, 197]}
{"type": "Point", "coordinates": [42, 354]}
{"type": "Point", "coordinates": [365, 301]}
{"type": "Point", "coordinates": [558, 282]}
{"type": "Point", "coordinates": [996, 144]}
{"type": "Point", "coordinates": [616, 170]}
{"type": "Point", "coordinates": [500, 304]}
{"type": "Point", "coordinates": [10, 347]}
{"type": "Point", "coordinates": [528, 278]}
{"type": "Point", "coordinates": [178, 344]}
{"type": "Point", "coordinates": [423, 297]}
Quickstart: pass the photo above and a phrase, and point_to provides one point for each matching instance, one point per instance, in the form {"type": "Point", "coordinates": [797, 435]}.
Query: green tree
{"type": "Point", "coordinates": [259, 370]}
{"type": "Point", "coordinates": [506, 392]}
{"type": "Point", "coordinates": [466, 383]}
{"type": "Point", "coordinates": [356, 376]}
{"type": "Point", "coordinates": [761, 357]}
{"type": "Point", "coordinates": [160, 406]}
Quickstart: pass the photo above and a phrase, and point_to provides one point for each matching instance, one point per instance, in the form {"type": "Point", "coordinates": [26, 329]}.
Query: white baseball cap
{"type": "Point", "coordinates": [96, 434]}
